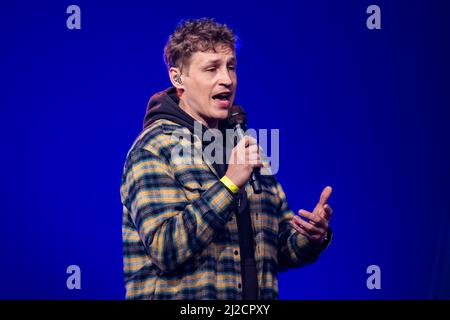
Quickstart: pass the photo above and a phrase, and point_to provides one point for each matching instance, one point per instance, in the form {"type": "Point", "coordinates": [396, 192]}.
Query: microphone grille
{"type": "Point", "coordinates": [237, 115]}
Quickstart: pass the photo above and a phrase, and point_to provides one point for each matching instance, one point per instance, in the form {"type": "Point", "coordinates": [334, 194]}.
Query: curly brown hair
{"type": "Point", "coordinates": [195, 35]}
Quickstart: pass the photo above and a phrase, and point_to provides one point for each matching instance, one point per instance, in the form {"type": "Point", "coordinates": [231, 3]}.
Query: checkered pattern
{"type": "Point", "coordinates": [180, 237]}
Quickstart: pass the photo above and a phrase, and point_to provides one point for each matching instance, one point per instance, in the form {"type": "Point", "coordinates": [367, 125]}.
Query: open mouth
{"type": "Point", "coordinates": [223, 96]}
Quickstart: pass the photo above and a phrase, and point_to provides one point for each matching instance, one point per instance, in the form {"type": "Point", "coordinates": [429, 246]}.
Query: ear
{"type": "Point", "coordinates": [176, 78]}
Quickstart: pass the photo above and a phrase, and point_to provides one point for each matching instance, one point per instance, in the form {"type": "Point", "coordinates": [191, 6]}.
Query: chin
{"type": "Point", "coordinates": [221, 115]}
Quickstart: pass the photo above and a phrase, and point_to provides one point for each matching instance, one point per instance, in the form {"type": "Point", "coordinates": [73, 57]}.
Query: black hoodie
{"type": "Point", "coordinates": [164, 105]}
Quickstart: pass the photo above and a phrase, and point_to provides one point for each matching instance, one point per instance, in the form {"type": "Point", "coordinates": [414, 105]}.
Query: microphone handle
{"type": "Point", "coordinates": [255, 177]}
{"type": "Point", "coordinates": [255, 181]}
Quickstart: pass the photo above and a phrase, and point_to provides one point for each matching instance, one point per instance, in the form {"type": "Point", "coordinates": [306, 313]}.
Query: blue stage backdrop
{"type": "Point", "coordinates": [363, 110]}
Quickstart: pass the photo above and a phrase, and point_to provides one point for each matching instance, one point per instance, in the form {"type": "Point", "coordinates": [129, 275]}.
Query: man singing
{"type": "Point", "coordinates": [197, 230]}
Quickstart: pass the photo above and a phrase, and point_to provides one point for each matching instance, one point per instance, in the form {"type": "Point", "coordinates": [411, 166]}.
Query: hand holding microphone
{"type": "Point", "coordinates": [244, 158]}
{"type": "Point", "coordinates": [244, 162]}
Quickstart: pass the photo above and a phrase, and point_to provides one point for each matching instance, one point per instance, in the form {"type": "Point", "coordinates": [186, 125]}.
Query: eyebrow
{"type": "Point", "coordinates": [219, 61]}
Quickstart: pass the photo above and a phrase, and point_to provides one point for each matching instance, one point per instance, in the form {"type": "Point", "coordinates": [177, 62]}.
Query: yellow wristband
{"type": "Point", "coordinates": [230, 185]}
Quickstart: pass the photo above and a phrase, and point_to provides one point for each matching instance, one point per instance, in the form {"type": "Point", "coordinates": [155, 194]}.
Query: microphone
{"type": "Point", "coordinates": [237, 118]}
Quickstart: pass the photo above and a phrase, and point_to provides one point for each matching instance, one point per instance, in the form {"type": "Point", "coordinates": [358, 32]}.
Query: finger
{"type": "Point", "coordinates": [326, 193]}
{"type": "Point", "coordinates": [248, 141]}
{"type": "Point", "coordinates": [308, 215]}
{"type": "Point", "coordinates": [258, 165]}
{"type": "Point", "coordinates": [251, 159]}
{"type": "Point", "coordinates": [253, 156]}
{"type": "Point", "coordinates": [314, 219]}
{"type": "Point", "coordinates": [299, 227]}
{"type": "Point", "coordinates": [254, 161]}
{"type": "Point", "coordinates": [253, 149]}
{"type": "Point", "coordinates": [323, 218]}
{"type": "Point", "coordinates": [244, 143]}
{"type": "Point", "coordinates": [300, 230]}
{"type": "Point", "coordinates": [311, 237]}
{"type": "Point", "coordinates": [328, 211]}
{"type": "Point", "coordinates": [308, 227]}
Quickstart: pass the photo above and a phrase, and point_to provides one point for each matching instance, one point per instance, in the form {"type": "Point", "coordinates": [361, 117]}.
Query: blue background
{"type": "Point", "coordinates": [365, 111]}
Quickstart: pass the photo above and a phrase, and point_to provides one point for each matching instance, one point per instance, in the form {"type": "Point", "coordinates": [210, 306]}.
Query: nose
{"type": "Point", "coordinates": [225, 79]}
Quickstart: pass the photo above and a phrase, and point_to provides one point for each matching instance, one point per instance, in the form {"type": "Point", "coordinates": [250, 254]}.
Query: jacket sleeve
{"type": "Point", "coordinates": [294, 249]}
{"type": "Point", "coordinates": [171, 228]}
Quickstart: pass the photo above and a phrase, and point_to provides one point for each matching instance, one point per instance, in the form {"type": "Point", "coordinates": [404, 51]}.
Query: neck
{"type": "Point", "coordinates": [209, 123]}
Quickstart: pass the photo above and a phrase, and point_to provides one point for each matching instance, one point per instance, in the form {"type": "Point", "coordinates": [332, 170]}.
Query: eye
{"type": "Point", "coordinates": [212, 69]}
{"type": "Point", "coordinates": [232, 67]}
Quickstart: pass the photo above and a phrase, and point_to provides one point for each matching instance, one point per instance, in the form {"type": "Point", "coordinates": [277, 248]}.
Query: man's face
{"type": "Point", "coordinates": [210, 85]}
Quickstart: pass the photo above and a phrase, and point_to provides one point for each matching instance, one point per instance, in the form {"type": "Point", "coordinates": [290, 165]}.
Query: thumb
{"type": "Point", "coordinates": [249, 141]}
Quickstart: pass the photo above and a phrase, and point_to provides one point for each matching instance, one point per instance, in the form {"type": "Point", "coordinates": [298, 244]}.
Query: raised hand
{"type": "Point", "coordinates": [314, 225]}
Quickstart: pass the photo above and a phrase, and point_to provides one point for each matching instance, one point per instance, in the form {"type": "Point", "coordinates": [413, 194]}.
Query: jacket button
{"type": "Point", "coordinates": [236, 252]}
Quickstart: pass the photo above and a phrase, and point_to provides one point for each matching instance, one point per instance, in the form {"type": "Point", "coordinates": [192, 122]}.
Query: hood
{"type": "Point", "coordinates": [165, 105]}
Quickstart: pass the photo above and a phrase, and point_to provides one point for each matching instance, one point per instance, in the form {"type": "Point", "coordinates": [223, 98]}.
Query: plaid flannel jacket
{"type": "Point", "coordinates": [180, 237]}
